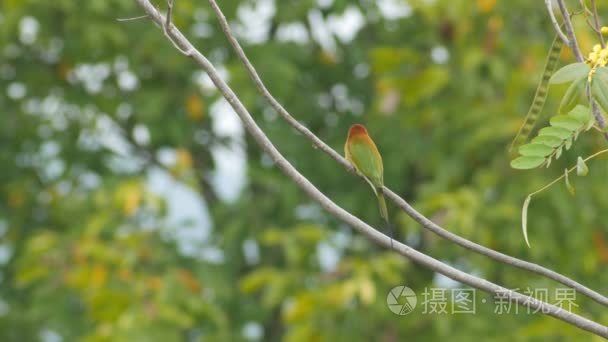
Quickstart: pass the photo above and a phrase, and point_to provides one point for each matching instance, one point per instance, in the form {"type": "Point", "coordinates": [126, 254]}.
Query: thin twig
{"type": "Point", "coordinates": [592, 26]}
{"type": "Point", "coordinates": [426, 223]}
{"type": "Point", "coordinates": [132, 19]}
{"type": "Point", "coordinates": [307, 187]}
{"type": "Point", "coordinates": [167, 27]}
{"type": "Point", "coordinates": [597, 26]}
{"type": "Point", "coordinates": [568, 171]}
{"type": "Point", "coordinates": [556, 25]}
{"type": "Point", "coordinates": [584, 8]}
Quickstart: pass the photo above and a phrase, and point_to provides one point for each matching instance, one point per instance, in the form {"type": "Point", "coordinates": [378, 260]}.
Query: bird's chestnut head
{"type": "Point", "coordinates": [357, 129]}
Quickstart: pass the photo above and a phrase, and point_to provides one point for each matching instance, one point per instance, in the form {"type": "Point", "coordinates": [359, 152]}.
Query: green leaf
{"type": "Point", "coordinates": [570, 73]}
{"type": "Point", "coordinates": [568, 185]}
{"type": "Point", "coordinates": [548, 140]}
{"type": "Point", "coordinates": [573, 95]}
{"type": "Point", "coordinates": [556, 132]}
{"type": "Point", "coordinates": [257, 279]}
{"type": "Point", "coordinates": [524, 218]}
{"type": "Point", "coordinates": [600, 93]}
{"type": "Point", "coordinates": [581, 167]}
{"type": "Point", "coordinates": [581, 113]}
{"type": "Point", "coordinates": [567, 122]}
{"type": "Point", "coordinates": [527, 162]}
{"type": "Point", "coordinates": [558, 152]}
{"type": "Point", "coordinates": [536, 150]}
{"type": "Point", "coordinates": [425, 84]}
{"type": "Point", "coordinates": [590, 125]}
{"type": "Point", "coordinates": [602, 73]}
{"type": "Point", "coordinates": [568, 143]}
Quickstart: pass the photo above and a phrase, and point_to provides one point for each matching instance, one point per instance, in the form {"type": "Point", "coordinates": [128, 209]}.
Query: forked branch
{"type": "Point", "coordinates": [179, 40]}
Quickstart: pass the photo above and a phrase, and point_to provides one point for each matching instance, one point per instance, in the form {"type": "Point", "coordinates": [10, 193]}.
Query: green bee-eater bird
{"type": "Point", "coordinates": [363, 154]}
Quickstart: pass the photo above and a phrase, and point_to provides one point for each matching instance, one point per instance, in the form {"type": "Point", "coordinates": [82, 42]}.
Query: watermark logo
{"type": "Point", "coordinates": [401, 300]}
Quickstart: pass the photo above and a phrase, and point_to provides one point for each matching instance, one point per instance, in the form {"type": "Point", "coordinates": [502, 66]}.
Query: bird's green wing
{"type": "Point", "coordinates": [367, 160]}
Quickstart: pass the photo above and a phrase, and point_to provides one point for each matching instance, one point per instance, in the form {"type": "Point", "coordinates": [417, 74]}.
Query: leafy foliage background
{"type": "Point", "coordinates": [88, 253]}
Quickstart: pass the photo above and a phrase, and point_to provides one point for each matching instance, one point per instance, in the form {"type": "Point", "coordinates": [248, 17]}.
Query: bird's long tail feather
{"type": "Point", "coordinates": [382, 204]}
{"type": "Point", "coordinates": [384, 212]}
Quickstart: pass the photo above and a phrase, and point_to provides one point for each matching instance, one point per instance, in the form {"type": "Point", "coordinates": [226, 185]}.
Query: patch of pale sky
{"type": "Point", "coordinates": [253, 331]}
{"type": "Point", "coordinates": [28, 30]}
{"type": "Point", "coordinates": [251, 251]}
{"type": "Point", "coordinates": [293, 32]}
{"type": "Point", "coordinates": [320, 31]}
{"type": "Point", "coordinates": [187, 214]}
{"type": "Point", "coordinates": [347, 24]}
{"type": "Point", "coordinates": [229, 176]}
{"type": "Point", "coordinates": [394, 9]}
{"type": "Point", "coordinates": [254, 20]}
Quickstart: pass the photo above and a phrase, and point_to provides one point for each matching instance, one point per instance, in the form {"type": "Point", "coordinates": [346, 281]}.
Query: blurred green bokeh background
{"type": "Point", "coordinates": [133, 207]}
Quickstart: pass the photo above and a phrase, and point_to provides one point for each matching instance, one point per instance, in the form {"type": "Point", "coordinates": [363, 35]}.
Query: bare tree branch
{"type": "Point", "coordinates": [425, 222]}
{"type": "Point", "coordinates": [571, 41]}
{"type": "Point", "coordinates": [498, 256]}
{"type": "Point", "coordinates": [306, 186]}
